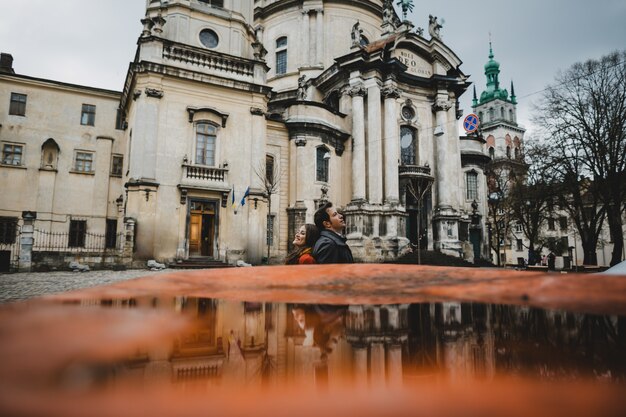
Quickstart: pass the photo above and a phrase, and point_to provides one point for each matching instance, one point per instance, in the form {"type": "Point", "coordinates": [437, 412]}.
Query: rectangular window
{"type": "Point", "coordinates": [18, 104]}
{"type": "Point", "coordinates": [78, 231]}
{"type": "Point", "coordinates": [120, 122]}
{"type": "Point", "coordinates": [270, 230]}
{"type": "Point", "coordinates": [281, 62]}
{"type": "Point", "coordinates": [12, 154]}
{"type": "Point", "coordinates": [472, 185]}
{"type": "Point", "coordinates": [517, 228]}
{"type": "Point", "coordinates": [88, 115]}
{"type": "Point", "coordinates": [111, 234]}
{"type": "Point", "coordinates": [551, 224]}
{"type": "Point", "coordinates": [83, 162]}
{"type": "Point", "coordinates": [8, 227]}
{"type": "Point", "coordinates": [205, 144]}
{"type": "Point", "coordinates": [117, 162]}
{"type": "Point", "coordinates": [269, 169]}
{"type": "Point", "coordinates": [518, 245]}
{"type": "Point", "coordinates": [323, 156]}
{"type": "Point", "coordinates": [563, 223]}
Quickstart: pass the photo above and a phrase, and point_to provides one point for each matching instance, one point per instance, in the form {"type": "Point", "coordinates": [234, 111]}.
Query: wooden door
{"type": "Point", "coordinates": [195, 234]}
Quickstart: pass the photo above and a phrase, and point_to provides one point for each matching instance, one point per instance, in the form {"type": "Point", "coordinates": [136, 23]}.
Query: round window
{"type": "Point", "coordinates": [408, 113]}
{"type": "Point", "coordinates": [209, 38]}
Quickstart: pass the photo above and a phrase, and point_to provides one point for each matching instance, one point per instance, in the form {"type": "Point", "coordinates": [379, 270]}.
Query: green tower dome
{"type": "Point", "coordinates": [493, 91]}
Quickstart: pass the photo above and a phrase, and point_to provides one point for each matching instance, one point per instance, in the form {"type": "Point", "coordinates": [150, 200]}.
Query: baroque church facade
{"type": "Point", "coordinates": [237, 118]}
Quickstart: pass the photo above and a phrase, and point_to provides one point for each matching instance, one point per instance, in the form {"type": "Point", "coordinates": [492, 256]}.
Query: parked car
{"type": "Point", "coordinates": [619, 269]}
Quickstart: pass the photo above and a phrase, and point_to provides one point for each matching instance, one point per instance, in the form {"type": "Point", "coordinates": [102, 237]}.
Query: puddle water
{"type": "Point", "coordinates": [376, 345]}
{"type": "Point", "coordinates": [204, 345]}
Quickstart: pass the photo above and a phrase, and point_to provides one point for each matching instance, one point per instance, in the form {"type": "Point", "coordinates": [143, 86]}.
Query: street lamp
{"type": "Point", "coordinates": [494, 200]}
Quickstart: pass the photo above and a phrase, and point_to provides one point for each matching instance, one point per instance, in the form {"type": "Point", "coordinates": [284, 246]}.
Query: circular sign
{"type": "Point", "coordinates": [470, 123]}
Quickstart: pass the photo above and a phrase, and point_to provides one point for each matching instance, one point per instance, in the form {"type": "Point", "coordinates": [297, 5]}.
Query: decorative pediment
{"type": "Point", "coordinates": [207, 113]}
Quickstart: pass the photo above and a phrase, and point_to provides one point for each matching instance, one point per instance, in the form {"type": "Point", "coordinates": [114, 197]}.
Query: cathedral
{"type": "Point", "coordinates": [237, 118]}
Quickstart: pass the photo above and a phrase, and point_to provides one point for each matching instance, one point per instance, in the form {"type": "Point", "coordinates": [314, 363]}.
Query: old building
{"type": "Point", "coordinates": [320, 100]}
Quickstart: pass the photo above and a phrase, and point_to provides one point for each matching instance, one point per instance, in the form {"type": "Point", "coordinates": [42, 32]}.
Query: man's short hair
{"type": "Point", "coordinates": [322, 216]}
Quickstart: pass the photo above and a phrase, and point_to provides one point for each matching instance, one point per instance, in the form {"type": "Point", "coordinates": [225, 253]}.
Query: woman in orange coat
{"type": "Point", "coordinates": [303, 245]}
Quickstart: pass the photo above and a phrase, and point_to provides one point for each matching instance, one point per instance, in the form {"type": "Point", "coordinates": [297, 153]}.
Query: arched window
{"type": "Point", "coordinates": [508, 152]}
{"type": "Point", "coordinates": [480, 117]}
{"type": "Point", "coordinates": [516, 153]}
{"type": "Point", "coordinates": [205, 144]}
{"type": "Point", "coordinates": [322, 158]}
{"type": "Point", "coordinates": [281, 55]}
{"type": "Point", "coordinates": [511, 115]}
{"type": "Point", "coordinates": [492, 114]}
{"type": "Point", "coordinates": [471, 185]}
{"type": "Point", "coordinates": [408, 146]}
{"type": "Point", "coordinates": [502, 112]}
{"type": "Point", "coordinates": [492, 152]}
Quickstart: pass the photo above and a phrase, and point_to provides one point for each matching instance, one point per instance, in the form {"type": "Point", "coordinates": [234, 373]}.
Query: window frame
{"type": "Point", "coordinates": [281, 50]}
{"type": "Point", "coordinates": [8, 230]}
{"type": "Point", "coordinates": [110, 234]}
{"type": "Point", "coordinates": [471, 194]}
{"type": "Point", "coordinates": [322, 166]}
{"type": "Point", "coordinates": [91, 160]}
{"type": "Point", "coordinates": [407, 158]}
{"type": "Point", "coordinates": [17, 107]}
{"type": "Point", "coordinates": [197, 134]}
{"type": "Point", "coordinates": [270, 163]}
{"type": "Point", "coordinates": [12, 154]}
{"type": "Point", "coordinates": [88, 111]}
{"type": "Point", "coordinates": [117, 157]}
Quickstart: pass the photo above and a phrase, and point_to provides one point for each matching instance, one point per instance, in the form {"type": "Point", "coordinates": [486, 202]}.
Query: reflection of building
{"type": "Point", "coordinates": [332, 94]}
{"type": "Point", "coordinates": [371, 345]}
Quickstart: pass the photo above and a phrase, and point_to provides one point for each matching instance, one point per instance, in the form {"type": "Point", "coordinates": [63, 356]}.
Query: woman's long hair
{"type": "Point", "coordinates": [312, 234]}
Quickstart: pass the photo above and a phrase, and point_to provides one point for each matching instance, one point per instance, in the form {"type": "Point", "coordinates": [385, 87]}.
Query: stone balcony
{"type": "Point", "coordinates": [413, 171]}
{"type": "Point", "coordinates": [204, 178]}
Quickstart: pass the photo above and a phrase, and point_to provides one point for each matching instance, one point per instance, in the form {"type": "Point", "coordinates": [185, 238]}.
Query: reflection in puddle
{"type": "Point", "coordinates": [246, 343]}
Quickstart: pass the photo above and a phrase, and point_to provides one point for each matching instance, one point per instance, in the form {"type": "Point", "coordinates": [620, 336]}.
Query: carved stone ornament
{"type": "Point", "coordinates": [390, 92]}
{"type": "Point", "coordinates": [441, 105]}
{"type": "Point", "coordinates": [300, 141]}
{"type": "Point", "coordinates": [257, 111]}
{"type": "Point", "coordinates": [136, 94]}
{"type": "Point", "coordinates": [153, 92]}
{"type": "Point", "coordinates": [357, 90]}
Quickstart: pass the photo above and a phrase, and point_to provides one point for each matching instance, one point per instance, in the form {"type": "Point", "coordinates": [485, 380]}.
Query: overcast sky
{"type": "Point", "coordinates": [91, 42]}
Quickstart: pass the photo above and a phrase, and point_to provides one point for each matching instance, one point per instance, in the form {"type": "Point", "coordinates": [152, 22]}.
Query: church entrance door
{"type": "Point", "coordinates": [202, 228]}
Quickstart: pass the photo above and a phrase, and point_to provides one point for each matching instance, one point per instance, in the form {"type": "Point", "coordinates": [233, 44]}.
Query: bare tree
{"type": "Point", "coordinates": [270, 175]}
{"type": "Point", "coordinates": [584, 112]}
{"type": "Point", "coordinates": [499, 181]}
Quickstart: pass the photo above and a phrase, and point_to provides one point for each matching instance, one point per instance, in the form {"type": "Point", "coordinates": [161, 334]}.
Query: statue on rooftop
{"type": "Point", "coordinates": [434, 27]}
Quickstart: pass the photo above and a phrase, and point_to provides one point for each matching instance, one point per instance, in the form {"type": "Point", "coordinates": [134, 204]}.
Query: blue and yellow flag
{"type": "Point", "coordinates": [233, 198]}
{"type": "Point", "coordinates": [243, 199]}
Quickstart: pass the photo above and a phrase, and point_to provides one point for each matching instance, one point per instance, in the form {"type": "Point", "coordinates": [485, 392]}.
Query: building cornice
{"type": "Point", "coordinates": [43, 82]}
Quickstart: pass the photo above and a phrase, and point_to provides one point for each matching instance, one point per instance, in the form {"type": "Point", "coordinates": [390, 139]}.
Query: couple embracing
{"type": "Point", "coordinates": [322, 242]}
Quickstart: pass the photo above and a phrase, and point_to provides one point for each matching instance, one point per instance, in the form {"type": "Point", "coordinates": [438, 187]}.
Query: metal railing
{"type": "Point", "coordinates": [76, 242]}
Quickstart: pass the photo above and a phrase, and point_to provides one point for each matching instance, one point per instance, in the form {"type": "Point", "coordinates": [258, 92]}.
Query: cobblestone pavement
{"type": "Point", "coordinates": [25, 285]}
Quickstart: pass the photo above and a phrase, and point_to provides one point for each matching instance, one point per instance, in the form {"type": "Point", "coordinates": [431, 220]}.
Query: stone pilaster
{"type": "Point", "coordinates": [296, 218]}
{"type": "Point", "coordinates": [306, 50]}
{"type": "Point", "coordinates": [374, 144]}
{"type": "Point", "coordinates": [319, 35]}
{"type": "Point", "coordinates": [391, 144]}
{"type": "Point", "coordinates": [358, 142]}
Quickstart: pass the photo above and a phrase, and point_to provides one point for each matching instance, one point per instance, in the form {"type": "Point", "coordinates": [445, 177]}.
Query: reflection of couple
{"type": "Point", "coordinates": [323, 325]}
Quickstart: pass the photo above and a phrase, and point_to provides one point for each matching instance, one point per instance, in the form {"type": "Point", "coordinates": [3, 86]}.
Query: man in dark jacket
{"type": "Point", "coordinates": [331, 247]}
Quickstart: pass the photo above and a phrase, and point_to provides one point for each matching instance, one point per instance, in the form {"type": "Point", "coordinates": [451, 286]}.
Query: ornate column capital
{"type": "Point", "coordinates": [300, 141]}
{"type": "Point", "coordinates": [357, 90]}
{"type": "Point", "coordinates": [441, 105]}
{"type": "Point", "coordinates": [390, 92]}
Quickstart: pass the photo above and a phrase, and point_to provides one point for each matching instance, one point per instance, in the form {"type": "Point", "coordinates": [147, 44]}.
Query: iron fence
{"type": "Point", "coordinates": [77, 242]}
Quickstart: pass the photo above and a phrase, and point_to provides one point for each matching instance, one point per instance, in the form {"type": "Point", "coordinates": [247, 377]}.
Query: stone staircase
{"type": "Point", "coordinates": [199, 262]}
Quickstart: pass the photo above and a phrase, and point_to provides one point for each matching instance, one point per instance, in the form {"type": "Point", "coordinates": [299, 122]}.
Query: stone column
{"type": "Point", "coordinates": [445, 163]}
{"type": "Point", "coordinates": [360, 366]}
{"type": "Point", "coordinates": [374, 144]}
{"type": "Point", "coordinates": [257, 220]}
{"type": "Point", "coordinates": [394, 365]}
{"type": "Point", "coordinates": [319, 35]}
{"type": "Point", "coordinates": [358, 142]}
{"type": "Point", "coordinates": [26, 242]}
{"type": "Point", "coordinates": [377, 364]}
{"type": "Point", "coordinates": [391, 145]}
{"type": "Point", "coordinates": [306, 50]}
{"type": "Point", "coordinates": [300, 176]}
